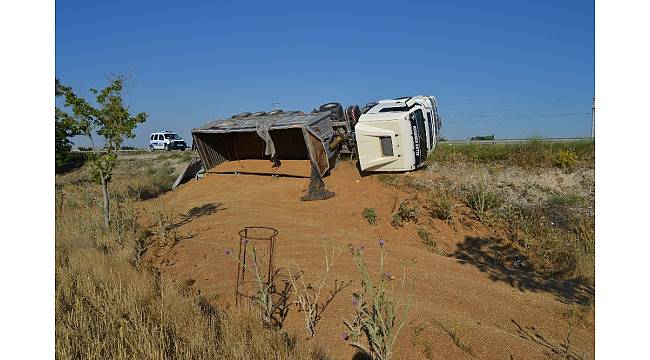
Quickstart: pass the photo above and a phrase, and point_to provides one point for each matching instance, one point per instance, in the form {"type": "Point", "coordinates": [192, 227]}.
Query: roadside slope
{"type": "Point", "coordinates": [461, 309]}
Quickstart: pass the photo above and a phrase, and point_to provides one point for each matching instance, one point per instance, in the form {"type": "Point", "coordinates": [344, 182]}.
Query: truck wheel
{"type": "Point", "coordinates": [241, 115]}
{"type": "Point", "coordinates": [335, 108]}
{"type": "Point", "coordinates": [166, 147]}
{"type": "Point", "coordinates": [151, 149]}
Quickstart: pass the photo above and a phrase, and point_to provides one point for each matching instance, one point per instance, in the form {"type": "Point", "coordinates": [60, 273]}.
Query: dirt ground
{"type": "Point", "coordinates": [461, 309]}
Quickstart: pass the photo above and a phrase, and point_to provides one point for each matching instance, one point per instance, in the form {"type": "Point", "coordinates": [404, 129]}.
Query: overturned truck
{"type": "Point", "coordinates": [388, 135]}
{"type": "Point", "coordinates": [278, 143]}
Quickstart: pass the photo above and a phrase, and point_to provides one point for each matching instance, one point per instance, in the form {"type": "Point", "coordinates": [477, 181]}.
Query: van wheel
{"type": "Point", "coordinates": [166, 147]}
{"type": "Point", "coordinates": [151, 149]}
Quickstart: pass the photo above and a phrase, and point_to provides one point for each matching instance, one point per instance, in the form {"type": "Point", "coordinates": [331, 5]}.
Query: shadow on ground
{"type": "Point", "coordinates": [561, 349]}
{"type": "Point", "coordinates": [197, 212]}
{"type": "Point", "coordinates": [489, 254]}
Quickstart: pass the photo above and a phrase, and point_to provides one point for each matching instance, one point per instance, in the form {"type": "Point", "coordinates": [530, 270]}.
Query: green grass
{"type": "Point", "coordinates": [370, 215]}
{"type": "Point", "coordinates": [424, 234]}
{"type": "Point", "coordinates": [407, 212]}
{"type": "Point", "coordinates": [569, 199]}
{"type": "Point", "coordinates": [533, 153]}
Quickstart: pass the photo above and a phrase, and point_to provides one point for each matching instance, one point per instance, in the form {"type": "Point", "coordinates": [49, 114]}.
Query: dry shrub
{"type": "Point", "coordinates": [556, 239]}
{"type": "Point", "coordinates": [440, 200]}
{"type": "Point", "coordinates": [482, 200]}
{"type": "Point", "coordinates": [566, 159]}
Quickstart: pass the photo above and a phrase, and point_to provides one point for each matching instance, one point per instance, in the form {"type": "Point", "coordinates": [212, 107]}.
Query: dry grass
{"type": "Point", "coordinates": [557, 238]}
{"type": "Point", "coordinates": [110, 305]}
{"type": "Point", "coordinates": [543, 214]}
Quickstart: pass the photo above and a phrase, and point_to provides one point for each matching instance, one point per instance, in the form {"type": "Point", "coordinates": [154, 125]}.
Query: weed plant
{"type": "Point", "coordinates": [379, 313]}
{"type": "Point", "coordinates": [370, 215]}
{"type": "Point", "coordinates": [313, 298]}
{"type": "Point", "coordinates": [407, 212]}
{"type": "Point", "coordinates": [424, 234]}
{"type": "Point", "coordinates": [481, 200]}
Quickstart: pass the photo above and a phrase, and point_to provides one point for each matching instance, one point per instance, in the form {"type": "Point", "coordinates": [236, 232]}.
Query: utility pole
{"type": "Point", "coordinates": [593, 116]}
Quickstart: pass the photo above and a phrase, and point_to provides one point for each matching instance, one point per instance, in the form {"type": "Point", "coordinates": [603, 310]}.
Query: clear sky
{"type": "Point", "coordinates": [509, 68]}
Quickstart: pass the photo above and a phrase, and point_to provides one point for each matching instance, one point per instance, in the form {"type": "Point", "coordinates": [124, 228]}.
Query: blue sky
{"type": "Point", "coordinates": [509, 68]}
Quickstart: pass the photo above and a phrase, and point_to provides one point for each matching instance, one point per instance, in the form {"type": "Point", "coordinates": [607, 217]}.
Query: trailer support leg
{"type": "Point", "coordinates": [316, 189]}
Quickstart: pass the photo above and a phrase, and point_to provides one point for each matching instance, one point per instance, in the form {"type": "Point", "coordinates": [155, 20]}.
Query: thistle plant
{"type": "Point", "coordinates": [273, 303]}
{"type": "Point", "coordinates": [379, 314]}
{"type": "Point", "coordinates": [310, 297]}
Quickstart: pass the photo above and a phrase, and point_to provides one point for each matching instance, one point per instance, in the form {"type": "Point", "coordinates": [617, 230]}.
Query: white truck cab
{"type": "Point", "coordinates": [166, 140]}
{"type": "Point", "coordinates": [397, 134]}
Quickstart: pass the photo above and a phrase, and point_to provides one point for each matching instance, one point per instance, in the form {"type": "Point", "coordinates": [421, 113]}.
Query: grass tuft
{"type": "Point", "coordinates": [370, 215]}
{"type": "Point", "coordinates": [482, 200]}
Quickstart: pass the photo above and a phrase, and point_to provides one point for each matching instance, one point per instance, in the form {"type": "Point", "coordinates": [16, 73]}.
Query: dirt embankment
{"type": "Point", "coordinates": [462, 309]}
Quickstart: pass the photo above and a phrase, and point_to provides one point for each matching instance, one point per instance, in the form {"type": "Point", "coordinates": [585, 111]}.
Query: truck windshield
{"type": "Point", "coordinates": [172, 136]}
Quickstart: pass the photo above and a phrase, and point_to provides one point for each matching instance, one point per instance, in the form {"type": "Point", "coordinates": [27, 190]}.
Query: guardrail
{"type": "Point", "coordinates": [99, 151]}
{"type": "Point", "coordinates": [511, 141]}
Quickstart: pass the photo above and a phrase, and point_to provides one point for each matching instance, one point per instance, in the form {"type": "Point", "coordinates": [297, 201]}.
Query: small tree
{"type": "Point", "coordinates": [110, 118]}
{"type": "Point", "coordinates": [64, 129]}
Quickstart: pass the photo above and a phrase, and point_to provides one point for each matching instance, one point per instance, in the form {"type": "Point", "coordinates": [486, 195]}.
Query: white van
{"type": "Point", "coordinates": [166, 140]}
{"type": "Point", "coordinates": [397, 135]}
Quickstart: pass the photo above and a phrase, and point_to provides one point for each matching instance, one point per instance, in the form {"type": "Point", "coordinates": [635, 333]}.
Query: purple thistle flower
{"type": "Point", "coordinates": [381, 242]}
{"type": "Point", "coordinates": [345, 336]}
{"type": "Point", "coordinates": [355, 301]}
{"type": "Point", "coordinates": [362, 247]}
{"type": "Point", "coordinates": [228, 251]}
{"type": "Point", "coordinates": [244, 241]}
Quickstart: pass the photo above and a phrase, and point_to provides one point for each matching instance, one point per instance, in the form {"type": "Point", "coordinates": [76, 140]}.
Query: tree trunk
{"type": "Point", "coordinates": [106, 209]}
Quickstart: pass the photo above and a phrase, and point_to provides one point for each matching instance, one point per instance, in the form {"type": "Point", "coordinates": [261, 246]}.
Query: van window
{"type": "Point", "coordinates": [157, 137]}
{"type": "Point", "coordinates": [151, 137]}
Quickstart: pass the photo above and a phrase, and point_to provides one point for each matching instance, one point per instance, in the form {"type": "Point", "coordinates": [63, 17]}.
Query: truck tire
{"type": "Point", "coordinates": [335, 108]}
{"type": "Point", "coordinates": [151, 149]}
{"type": "Point", "coordinates": [167, 147]}
{"type": "Point", "coordinates": [241, 115]}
